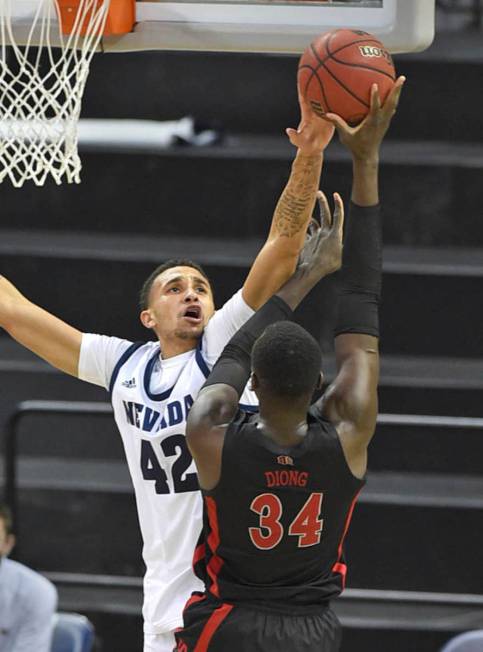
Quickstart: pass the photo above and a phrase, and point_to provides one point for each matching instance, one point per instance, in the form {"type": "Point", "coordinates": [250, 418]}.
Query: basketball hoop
{"type": "Point", "coordinates": [46, 50]}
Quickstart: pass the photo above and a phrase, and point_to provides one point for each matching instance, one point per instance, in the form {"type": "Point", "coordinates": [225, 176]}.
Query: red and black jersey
{"type": "Point", "coordinates": [275, 524]}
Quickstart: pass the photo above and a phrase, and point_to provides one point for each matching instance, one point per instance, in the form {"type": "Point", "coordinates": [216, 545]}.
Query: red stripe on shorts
{"type": "Point", "coordinates": [213, 623]}
{"type": "Point", "coordinates": [342, 570]}
{"type": "Point", "coordinates": [213, 540]}
{"type": "Point", "coordinates": [200, 552]}
{"type": "Point", "coordinates": [193, 600]}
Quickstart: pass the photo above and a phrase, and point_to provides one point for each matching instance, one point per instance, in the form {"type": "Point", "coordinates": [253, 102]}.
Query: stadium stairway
{"type": "Point", "coordinates": [415, 543]}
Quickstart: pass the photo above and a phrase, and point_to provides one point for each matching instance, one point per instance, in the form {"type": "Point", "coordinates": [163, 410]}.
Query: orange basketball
{"type": "Point", "coordinates": [337, 70]}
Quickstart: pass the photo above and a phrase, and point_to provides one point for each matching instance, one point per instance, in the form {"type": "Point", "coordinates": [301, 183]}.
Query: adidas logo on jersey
{"type": "Point", "coordinates": [130, 384]}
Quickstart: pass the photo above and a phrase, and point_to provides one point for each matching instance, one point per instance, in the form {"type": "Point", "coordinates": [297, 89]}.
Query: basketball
{"type": "Point", "coordinates": [337, 70]}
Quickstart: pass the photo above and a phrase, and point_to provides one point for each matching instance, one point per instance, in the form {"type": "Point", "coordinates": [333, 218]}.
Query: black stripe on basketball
{"type": "Point", "coordinates": [321, 65]}
{"type": "Point", "coordinates": [314, 74]}
{"type": "Point", "coordinates": [343, 47]}
{"type": "Point", "coordinates": [316, 55]}
{"type": "Point", "coordinates": [329, 110]}
{"type": "Point", "coordinates": [346, 63]}
{"type": "Point", "coordinates": [347, 90]}
{"type": "Point", "coordinates": [354, 65]}
{"type": "Point", "coordinates": [347, 45]}
{"type": "Point", "coordinates": [326, 43]}
{"type": "Point", "coordinates": [361, 65]}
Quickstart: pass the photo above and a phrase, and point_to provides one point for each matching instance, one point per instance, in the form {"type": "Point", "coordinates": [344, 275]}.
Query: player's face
{"type": "Point", "coordinates": [180, 304]}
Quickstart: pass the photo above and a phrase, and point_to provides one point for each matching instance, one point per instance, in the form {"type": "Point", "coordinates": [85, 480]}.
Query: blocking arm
{"type": "Point", "coordinates": [277, 260]}
{"type": "Point", "coordinates": [36, 329]}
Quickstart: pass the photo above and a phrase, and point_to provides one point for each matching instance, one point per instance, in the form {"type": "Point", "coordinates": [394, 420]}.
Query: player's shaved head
{"type": "Point", "coordinates": [174, 262]}
{"type": "Point", "coordinates": [287, 360]}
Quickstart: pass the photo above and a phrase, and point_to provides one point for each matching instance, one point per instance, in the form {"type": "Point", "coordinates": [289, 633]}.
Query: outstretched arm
{"type": "Point", "coordinates": [37, 330]}
{"type": "Point", "coordinates": [277, 260]}
{"type": "Point", "coordinates": [351, 401]}
{"type": "Point", "coordinates": [217, 403]}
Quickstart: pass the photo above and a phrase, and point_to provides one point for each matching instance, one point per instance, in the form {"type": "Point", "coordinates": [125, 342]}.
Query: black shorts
{"type": "Point", "coordinates": [216, 627]}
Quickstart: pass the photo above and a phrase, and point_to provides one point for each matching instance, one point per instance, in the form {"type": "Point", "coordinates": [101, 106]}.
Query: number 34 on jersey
{"type": "Point", "coordinates": [306, 526]}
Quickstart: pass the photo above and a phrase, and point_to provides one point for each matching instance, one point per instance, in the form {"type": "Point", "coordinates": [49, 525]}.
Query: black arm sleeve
{"type": "Point", "coordinates": [360, 278]}
{"type": "Point", "coordinates": [233, 367]}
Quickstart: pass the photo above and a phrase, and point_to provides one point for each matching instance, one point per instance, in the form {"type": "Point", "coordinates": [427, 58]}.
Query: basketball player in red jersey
{"type": "Point", "coordinates": [279, 487]}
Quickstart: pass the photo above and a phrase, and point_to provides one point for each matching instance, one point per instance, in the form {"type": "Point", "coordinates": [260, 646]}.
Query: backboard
{"type": "Point", "coordinates": [40, 108]}
{"type": "Point", "coordinates": [276, 26]}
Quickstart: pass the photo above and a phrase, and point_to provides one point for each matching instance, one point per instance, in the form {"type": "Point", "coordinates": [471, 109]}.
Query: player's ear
{"type": "Point", "coordinates": [146, 319]}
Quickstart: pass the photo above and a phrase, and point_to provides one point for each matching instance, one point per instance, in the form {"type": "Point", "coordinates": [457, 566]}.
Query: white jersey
{"type": "Point", "coordinates": [151, 399]}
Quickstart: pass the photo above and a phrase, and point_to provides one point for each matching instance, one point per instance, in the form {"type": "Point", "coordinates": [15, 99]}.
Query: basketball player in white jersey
{"type": "Point", "coordinates": [154, 384]}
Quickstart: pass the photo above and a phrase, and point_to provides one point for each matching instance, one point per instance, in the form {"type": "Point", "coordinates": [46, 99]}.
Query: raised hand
{"type": "Point", "coordinates": [313, 134]}
{"type": "Point", "coordinates": [364, 141]}
{"type": "Point", "coordinates": [318, 227]}
{"type": "Point", "coordinates": [325, 252]}
{"type": "Point", "coordinates": [321, 255]}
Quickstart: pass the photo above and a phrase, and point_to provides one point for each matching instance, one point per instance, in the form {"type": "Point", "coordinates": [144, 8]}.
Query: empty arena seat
{"type": "Point", "coordinates": [467, 642]}
{"type": "Point", "coordinates": [72, 633]}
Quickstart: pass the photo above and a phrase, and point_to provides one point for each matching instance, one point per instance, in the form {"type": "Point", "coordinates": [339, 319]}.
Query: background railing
{"type": "Point", "coordinates": [77, 408]}
{"type": "Point", "coordinates": [70, 408]}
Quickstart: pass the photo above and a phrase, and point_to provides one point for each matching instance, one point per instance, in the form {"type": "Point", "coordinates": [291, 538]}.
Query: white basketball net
{"type": "Point", "coordinates": [41, 89]}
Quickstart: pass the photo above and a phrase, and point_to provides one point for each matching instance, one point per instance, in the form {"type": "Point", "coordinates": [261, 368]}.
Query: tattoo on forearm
{"type": "Point", "coordinates": [297, 201]}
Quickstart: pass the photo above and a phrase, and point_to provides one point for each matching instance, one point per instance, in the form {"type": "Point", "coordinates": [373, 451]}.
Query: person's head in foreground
{"type": "Point", "coordinates": [286, 364]}
{"type": "Point", "coordinates": [176, 301]}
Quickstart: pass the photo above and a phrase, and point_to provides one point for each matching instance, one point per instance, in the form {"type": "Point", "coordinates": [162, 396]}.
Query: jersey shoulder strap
{"type": "Point", "coordinates": [202, 364]}
{"type": "Point", "coordinates": [122, 360]}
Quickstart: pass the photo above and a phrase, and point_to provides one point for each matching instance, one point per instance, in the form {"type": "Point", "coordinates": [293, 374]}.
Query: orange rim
{"type": "Point", "coordinates": [120, 20]}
